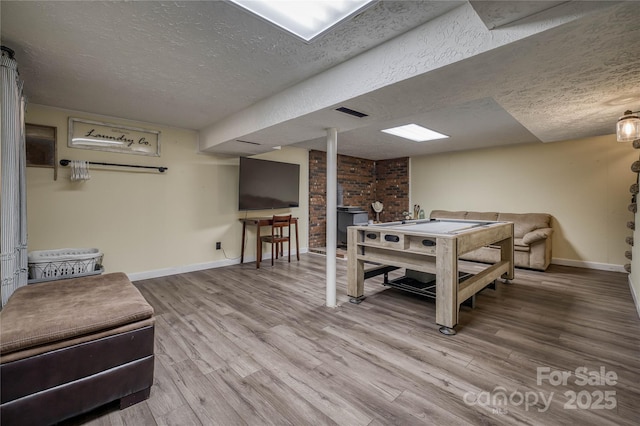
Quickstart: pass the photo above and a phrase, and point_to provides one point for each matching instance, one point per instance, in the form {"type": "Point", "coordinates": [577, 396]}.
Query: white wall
{"type": "Point", "coordinates": [583, 184]}
{"type": "Point", "coordinates": [146, 223]}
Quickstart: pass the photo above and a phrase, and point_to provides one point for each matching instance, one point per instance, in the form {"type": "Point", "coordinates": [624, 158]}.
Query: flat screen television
{"type": "Point", "coordinates": [267, 184]}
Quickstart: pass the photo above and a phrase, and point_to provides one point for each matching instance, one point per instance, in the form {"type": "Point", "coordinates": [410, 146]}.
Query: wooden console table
{"type": "Point", "coordinates": [259, 222]}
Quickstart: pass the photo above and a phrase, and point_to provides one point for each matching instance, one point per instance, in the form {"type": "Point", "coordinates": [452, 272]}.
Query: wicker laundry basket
{"type": "Point", "coordinates": [63, 263]}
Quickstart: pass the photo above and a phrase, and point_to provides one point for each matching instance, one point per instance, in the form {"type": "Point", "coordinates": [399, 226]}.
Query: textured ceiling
{"type": "Point", "coordinates": [561, 70]}
{"type": "Point", "coordinates": [569, 82]}
{"type": "Point", "coordinates": [184, 64]}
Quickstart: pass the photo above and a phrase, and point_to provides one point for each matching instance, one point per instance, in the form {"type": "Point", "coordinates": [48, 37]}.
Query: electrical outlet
{"type": "Point", "coordinates": [218, 245]}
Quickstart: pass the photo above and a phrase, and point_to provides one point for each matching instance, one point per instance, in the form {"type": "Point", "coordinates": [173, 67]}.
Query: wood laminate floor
{"type": "Point", "coordinates": [240, 346]}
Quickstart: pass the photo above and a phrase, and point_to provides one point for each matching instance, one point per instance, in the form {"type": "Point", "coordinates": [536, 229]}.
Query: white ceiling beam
{"type": "Point", "coordinates": [455, 36]}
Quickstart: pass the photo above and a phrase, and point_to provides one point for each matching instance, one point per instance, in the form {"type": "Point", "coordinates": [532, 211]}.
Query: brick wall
{"type": "Point", "coordinates": [363, 182]}
{"type": "Point", "coordinates": [317, 198]}
{"type": "Point", "coordinates": [392, 188]}
{"type": "Point", "coordinates": [358, 181]}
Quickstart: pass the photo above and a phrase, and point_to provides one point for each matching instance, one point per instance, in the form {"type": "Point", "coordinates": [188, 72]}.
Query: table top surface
{"type": "Point", "coordinates": [432, 226]}
{"type": "Point", "coordinates": [263, 219]}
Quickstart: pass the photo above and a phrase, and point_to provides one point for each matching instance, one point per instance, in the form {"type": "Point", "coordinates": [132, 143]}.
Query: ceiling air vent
{"type": "Point", "coordinates": [249, 142]}
{"type": "Point", "coordinates": [352, 112]}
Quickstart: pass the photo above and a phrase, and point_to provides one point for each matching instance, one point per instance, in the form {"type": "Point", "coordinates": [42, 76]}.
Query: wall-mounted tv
{"type": "Point", "coordinates": [267, 184]}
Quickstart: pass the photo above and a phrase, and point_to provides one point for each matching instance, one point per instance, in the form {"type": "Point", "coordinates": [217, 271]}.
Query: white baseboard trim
{"type": "Point", "coordinates": [165, 272]}
{"type": "Point", "coordinates": [588, 265]}
{"type": "Point", "coordinates": [636, 299]}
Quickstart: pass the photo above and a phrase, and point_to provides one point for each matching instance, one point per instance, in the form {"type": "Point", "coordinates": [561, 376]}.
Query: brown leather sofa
{"type": "Point", "coordinates": [532, 234]}
{"type": "Point", "coordinates": [69, 346]}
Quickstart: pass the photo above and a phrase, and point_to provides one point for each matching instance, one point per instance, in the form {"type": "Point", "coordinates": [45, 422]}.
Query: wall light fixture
{"type": "Point", "coordinates": [628, 127]}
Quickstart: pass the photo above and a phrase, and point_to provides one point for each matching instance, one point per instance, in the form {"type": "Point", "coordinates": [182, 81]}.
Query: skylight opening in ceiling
{"type": "Point", "coordinates": [415, 133]}
{"type": "Point", "coordinates": [306, 19]}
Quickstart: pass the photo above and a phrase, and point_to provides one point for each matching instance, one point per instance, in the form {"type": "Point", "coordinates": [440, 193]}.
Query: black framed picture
{"type": "Point", "coordinates": [41, 146]}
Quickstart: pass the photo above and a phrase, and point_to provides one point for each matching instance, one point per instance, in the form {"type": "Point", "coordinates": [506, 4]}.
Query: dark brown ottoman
{"type": "Point", "coordinates": [67, 347]}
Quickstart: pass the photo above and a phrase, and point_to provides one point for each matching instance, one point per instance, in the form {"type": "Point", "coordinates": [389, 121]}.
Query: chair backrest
{"type": "Point", "coordinates": [280, 222]}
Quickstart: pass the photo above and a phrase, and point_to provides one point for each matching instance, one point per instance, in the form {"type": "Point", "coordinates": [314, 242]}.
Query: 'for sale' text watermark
{"type": "Point", "coordinates": [602, 398]}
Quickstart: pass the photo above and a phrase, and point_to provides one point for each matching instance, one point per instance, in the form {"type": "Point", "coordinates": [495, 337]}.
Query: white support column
{"type": "Point", "coordinates": [332, 214]}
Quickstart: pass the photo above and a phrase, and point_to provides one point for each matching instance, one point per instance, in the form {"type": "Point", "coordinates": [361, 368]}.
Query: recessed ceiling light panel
{"type": "Point", "coordinates": [415, 133]}
{"type": "Point", "coordinates": [306, 19]}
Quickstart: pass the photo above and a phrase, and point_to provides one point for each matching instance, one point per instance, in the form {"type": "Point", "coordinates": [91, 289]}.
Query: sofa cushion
{"type": "Point", "coordinates": [488, 216]}
{"type": "Point", "coordinates": [536, 235]}
{"type": "Point", "coordinates": [445, 214]}
{"type": "Point", "coordinates": [44, 313]}
{"type": "Point", "coordinates": [518, 245]}
{"type": "Point", "coordinates": [523, 223]}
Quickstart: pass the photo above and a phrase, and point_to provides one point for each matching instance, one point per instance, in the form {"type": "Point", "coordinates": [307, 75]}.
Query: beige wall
{"type": "Point", "coordinates": [583, 183]}
{"type": "Point", "coordinates": [146, 223]}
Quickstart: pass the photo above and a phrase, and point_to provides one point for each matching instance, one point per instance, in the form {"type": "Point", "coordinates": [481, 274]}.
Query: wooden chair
{"type": "Point", "coordinates": [278, 237]}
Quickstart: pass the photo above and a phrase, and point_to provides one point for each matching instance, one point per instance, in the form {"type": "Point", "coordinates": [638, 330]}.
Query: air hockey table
{"type": "Point", "coordinates": [432, 247]}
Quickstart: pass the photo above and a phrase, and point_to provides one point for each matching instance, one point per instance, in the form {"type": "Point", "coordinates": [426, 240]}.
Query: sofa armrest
{"type": "Point", "coordinates": [537, 235]}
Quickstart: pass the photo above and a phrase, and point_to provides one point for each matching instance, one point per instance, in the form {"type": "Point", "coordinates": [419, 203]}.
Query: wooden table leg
{"type": "Point", "coordinates": [258, 247]}
{"type": "Point", "coordinates": [244, 228]}
{"type": "Point", "coordinates": [355, 269]}
{"type": "Point", "coordinates": [446, 285]}
{"type": "Point", "coordinates": [297, 245]}
{"type": "Point", "coordinates": [506, 253]}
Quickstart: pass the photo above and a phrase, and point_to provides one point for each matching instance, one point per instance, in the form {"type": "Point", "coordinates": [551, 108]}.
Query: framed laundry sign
{"type": "Point", "coordinates": [86, 134]}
